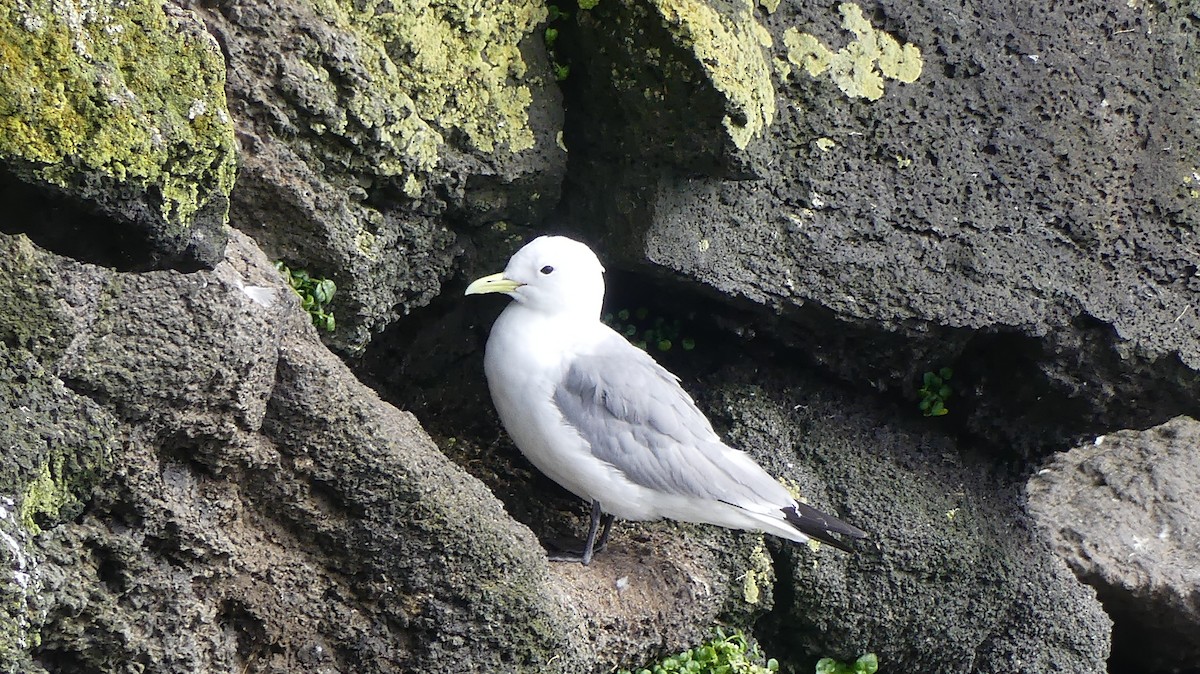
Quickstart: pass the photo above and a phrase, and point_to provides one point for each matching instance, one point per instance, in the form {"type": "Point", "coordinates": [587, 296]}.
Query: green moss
{"type": "Point", "coordinates": [859, 68]}
{"type": "Point", "coordinates": [441, 68]}
{"type": "Point", "coordinates": [731, 49]}
{"type": "Point", "coordinates": [130, 93]}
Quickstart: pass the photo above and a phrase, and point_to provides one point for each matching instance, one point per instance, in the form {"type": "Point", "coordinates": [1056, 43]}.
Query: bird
{"type": "Point", "coordinates": [603, 419]}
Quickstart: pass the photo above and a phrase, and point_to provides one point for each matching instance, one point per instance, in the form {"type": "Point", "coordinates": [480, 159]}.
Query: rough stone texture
{"type": "Point", "coordinates": [1121, 511]}
{"type": "Point", "coordinates": [227, 497]}
{"type": "Point", "coordinates": [952, 578]}
{"type": "Point", "coordinates": [1029, 204]}
{"type": "Point", "coordinates": [368, 132]}
{"type": "Point", "coordinates": [117, 111]}
{"type": "Point", "coordinates": [251, 507]}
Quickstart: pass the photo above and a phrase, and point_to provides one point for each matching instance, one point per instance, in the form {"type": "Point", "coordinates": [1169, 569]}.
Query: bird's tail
{"type": "Point", "coordinates": [819, 526]}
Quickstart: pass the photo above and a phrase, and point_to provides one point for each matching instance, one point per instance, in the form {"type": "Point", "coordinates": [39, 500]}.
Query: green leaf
{"type": "Point", "coordinates": [324, 291]}
{"type": "Point", "coordinates": [664, 345]}
{"type": "Point", "coordinates": [623, 314]}
{"type": "Point", "coordinates": [930, 379]}
{"type": "Point", "coordinates": [688, 343]}
{"type": "Point", "coordinates": [827, 666]}
{"type": "Point", "coordinates": [551, 36]}
{"type": "Point", "coordinates": [944, 392]}
{"type": "Point", "coordinates": [946, 372]}
{"type": "Point", "coordinates": [866, 664]}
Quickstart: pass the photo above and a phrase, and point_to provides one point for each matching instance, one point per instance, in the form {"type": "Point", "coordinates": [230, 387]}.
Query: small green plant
{"type": "Point", "coordinates": [866, 664]}
{"type": "Point", "coordinates": [935, 391]}
{"type": "Point", "coordinates": [730, 654]}
{"type": "Point", "coordinates": [315, 294]}
{"type": "Point", "coordinates": [555, 15]}
{"type": "Point", "coordinates": [643, 332]}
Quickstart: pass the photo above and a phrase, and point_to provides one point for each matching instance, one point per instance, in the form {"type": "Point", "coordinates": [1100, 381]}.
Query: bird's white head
{"type": "Point", "coordinates": [551, 274]}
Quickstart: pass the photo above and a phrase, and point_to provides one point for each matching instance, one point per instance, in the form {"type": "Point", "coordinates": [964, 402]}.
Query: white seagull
{"type": "Point", "coordinates": [604, 420]}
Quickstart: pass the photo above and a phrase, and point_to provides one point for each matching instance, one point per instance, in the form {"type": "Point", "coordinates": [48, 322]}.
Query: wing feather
{"type": "Point", "coordinates": [637, 418]}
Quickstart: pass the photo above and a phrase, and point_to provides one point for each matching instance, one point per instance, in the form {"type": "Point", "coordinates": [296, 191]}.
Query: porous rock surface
{"type": "Point", "coordinates": [1028, 204]}
{"type": "Point", "coordinates": [251, 507]}
{"type": "Point", "coordinates": [200, 485]}
{"type": "Point", "coordinates": [368, 133]}
{"type": "Point", "coordinates": [118, 114]}
{"type": "Point", "coordinates": [953, 577]}
{"type": "Point", "coordinates": [1120, 510]}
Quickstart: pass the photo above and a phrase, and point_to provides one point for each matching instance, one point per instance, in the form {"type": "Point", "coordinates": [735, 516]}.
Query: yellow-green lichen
{"type": "Point", "coordinates": [859, 68]}
{"type": "Point", "coordinates": [453, 66]}
{"type": "Point", "coordinates": [412, 186]}
{"type": "Point", "coordinates": [45, 496]}
{"type": "Point", "coordinates": [367, 244]}
{"type": "Point", "coordinates": [132, 91]}
{"type": "Point", "coordinates": [731, 49]}
{"type": "Point", "coordinates": [760, 571]}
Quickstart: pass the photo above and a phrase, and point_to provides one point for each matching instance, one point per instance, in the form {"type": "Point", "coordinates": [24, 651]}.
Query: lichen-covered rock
{"type": "Point", "coordinates": [1121, 512]}
{"type": "Point", "coordinates": [934, 190]}
{"type": "Point", "coordinates": [368, 131]}
{"type": "Point", "coordinates": [116, 109]}
{"type": "Point", "coordinates": [680, 82]}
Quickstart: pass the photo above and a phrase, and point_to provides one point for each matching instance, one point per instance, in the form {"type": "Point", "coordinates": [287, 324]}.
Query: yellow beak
{"type": "Point", "coordinates": [496, 283]}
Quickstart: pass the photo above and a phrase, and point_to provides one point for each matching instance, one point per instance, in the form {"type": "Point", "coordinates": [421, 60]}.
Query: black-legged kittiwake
{"type": "Point", "coordinates": [603, 419]}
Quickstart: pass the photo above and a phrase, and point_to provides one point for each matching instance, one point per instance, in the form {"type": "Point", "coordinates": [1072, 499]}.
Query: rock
{"type": "Point", "coordinates": [951, 579]}
{"type": "Point", "coordinates": [219, 493]}
{"type": "Point", "coordinates": [1120, 511]}
{"type": "Point", "coordinates": [366, 134]}
{"type": "Point", "coordinates": [115, 145]}
{"type": "Point", "coordinates": [967, 206]}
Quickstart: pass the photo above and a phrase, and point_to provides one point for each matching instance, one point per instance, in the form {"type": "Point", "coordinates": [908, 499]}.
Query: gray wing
{"type": "Point", "coordinates": [638, 419]}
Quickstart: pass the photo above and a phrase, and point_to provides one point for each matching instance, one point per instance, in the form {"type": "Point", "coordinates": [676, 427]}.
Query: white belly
{"type": "Point", "coordinates": [522, 374]}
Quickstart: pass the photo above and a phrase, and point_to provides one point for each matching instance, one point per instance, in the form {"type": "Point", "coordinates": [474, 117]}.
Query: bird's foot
{"type": "Point", "coordinates": [592, 545]}
{"type": "Point", "coordinates": [564, 556]}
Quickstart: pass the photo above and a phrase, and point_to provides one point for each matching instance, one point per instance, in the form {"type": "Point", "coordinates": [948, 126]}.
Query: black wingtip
{"type": "Point", "coordinates": [819, 526]}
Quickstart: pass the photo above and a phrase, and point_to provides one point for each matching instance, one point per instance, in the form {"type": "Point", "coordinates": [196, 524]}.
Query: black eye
{"type": "Point", "coordinates": [547, 269]}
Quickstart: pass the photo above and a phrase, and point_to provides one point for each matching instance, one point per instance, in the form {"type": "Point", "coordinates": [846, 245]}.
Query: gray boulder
{"type": "Point", "coordinates": [1120, 511]}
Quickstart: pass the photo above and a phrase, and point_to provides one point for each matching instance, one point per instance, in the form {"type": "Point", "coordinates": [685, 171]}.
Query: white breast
{"type": "Point", "coordinates": [522, 372]}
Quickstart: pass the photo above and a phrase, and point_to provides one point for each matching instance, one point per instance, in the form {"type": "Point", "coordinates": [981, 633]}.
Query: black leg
{"type": "Point", "coordinates": [593, 527]}
{"type": "Point", "coordinates": [607, 521]}
{"type": "Point", "coordinates": [589, 547]}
